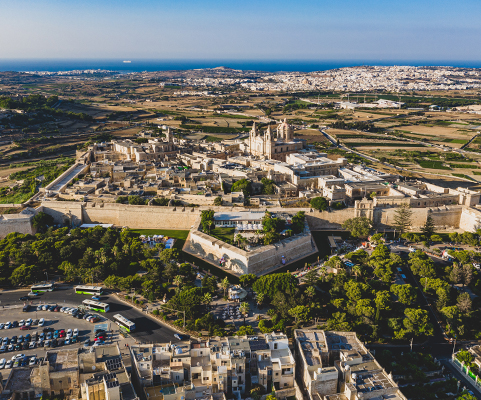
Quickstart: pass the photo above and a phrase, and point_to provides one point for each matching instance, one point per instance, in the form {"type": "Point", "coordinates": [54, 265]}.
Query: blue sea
{"type": "Point", "coordinates": [140, 65]}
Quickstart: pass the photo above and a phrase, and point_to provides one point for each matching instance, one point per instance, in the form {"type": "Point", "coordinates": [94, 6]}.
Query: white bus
{"type": "Point", "coordinates": [45, 287]}
{"type": "Point", "coordinates": [96, 306]}
{"type": "Point", "coordinates": [94, 290]}
{"type": "Point", "coordinates": [122, 321]}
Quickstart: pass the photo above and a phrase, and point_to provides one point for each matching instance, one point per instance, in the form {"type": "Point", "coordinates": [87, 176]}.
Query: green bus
{"type": "Point", "coordinates": [95, 305]}
{"type": "Point", "coordinates": [124, 322]}
{"type": "Point", "coordinates": [44, 287]}
{"type": "Point", "coordinates": [93, 290]}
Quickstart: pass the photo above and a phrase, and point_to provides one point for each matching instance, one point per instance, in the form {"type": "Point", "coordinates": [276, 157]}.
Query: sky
{"type": "Point", "coordinates": [247, 29]}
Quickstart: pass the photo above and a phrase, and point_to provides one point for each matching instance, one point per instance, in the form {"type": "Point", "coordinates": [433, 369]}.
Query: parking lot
{"type": "Point", "coordinates": [59, 329]}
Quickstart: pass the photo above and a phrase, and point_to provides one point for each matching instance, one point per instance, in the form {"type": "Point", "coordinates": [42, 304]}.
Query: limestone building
{"type": "Point", "coordinates": [273, 148]}
{"type": "Point", "coordinates": [337, 366]}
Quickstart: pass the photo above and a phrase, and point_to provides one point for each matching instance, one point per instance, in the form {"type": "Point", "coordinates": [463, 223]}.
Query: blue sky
{"type": "Point", "coordinates": [247, 29]}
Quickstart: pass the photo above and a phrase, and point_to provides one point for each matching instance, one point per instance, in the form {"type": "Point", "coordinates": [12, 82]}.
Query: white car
{"type": "Point", "coordinates": [66, 310]}
{"type": "Point", "coordinates": [63, 309]}
{"type": "Point", "coordinates": [45, 307]}
{"type": "Point", "coordinates": [18, 356]}
{"type": "Point", "coordinates": [69, 331]}
{"type": "Point", "coordinates": [2, 325]}
{"type": "Point", "coordinates": [32, 345]}
{"type": "Point", "coordinates": [75, 332]}
{"type": "Point", "coordinates": [21, 322]}
{"type": "Point", "coordinates": [9, 364]}
{"type": "Point", "coordinates": [30, 320]}
{"type": "Point", "coordinates": [2, 363]}
{"type": "Point", "coordinates": [8, 325]}
{"type": "Point", "coordinates": [41, 322]}
{"type": "Point", "coordinates": [32, 361]}
{"type": "Point", "coordinates": [39, 308]}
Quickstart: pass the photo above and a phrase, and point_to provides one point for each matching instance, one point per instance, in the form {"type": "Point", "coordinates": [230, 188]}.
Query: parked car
{"type": "Point", "coordinates": [57, 309]}
{"type": "Point", "coordinates": [24, 328]}
{"type": "Point", "coordinates": [25, 345]}
{"type": "Point", "coordinates": [49, 336]}
{"type": "Point", "coordinates": [41, 322]}
{"type": "Point", "coordinates": [33, 361]}
{"type": "Point", "coordinates": [20, 339]}
{"type": "Point", "coordinates": [87, 343]}
{"type": "Point", "coordinates": [75, 332]}
{"type": "Point", "coordinates": [32, 345]}
{"type": "Point", "coordinates": [48, 329]}
{"type": "Point", "coordinates": [14, 324]}
{"type": "Point", "coordinates": [2, 325]}
{"type": "Point", "coordinates": [8, 325]}
{"type": "Point", "coordinates": [9, 364]}
{"type": "Point", "coordinates": [2, 363]}
{"type": "Point", "coordinates": [39, 307]}
{"type": "Point", "coordinates": [5, 340]}
{"type": "Point", "coordinates": [23, 298]}
{"type": "Point", "coordinates": [21, 323]}
{"type": "Point", "coordinates": [96, 298]}
{"type": "Point", "coordinates": [13, 340]}
{"type": "Point", "coordinates": [26, 307]}
{"type": "Point", "coordinates": [28, 337]}
{"type": "Point", "coordinates": [11, 347]}
{"type": "Point", "coordinates": [3, 348]}
{"type": "Point", "coordinates": [47, 343]}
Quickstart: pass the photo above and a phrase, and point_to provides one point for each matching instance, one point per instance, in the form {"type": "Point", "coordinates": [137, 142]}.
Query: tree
{"type": "Point", "coordinates": [245, 330]}
{"type": "Point", "coordinates": [310, 292]}
{"type": "Point", "coordinates": [225, 284]}
{"type": "Point", "coordinates": [207, 219]}
{"type": "Point", "coordinates": [218, 201]}
{"type": "Point", "coordinates": [358, 226]}
{"type": "Point", "coordinates": [260, 298]}
{"type": "Point", "coordinates": [268, 186]}
{"type": "Point", "coordinates": [310, 278]}
{"type": "Point", "coordinates": [456, 274]}
{"type": "Point", "coordinates": [402, 218]}
{"type": "Point", "coordinates": [428, 228]}
{"type": "Point", "coordinates": [41, 221]}
{"type": "Point", "coordinates": [356, 270]}
{"type": "Point", "coordinates": [247, 280]}
{"type": "Point", "coordinates": [274, 283]}
{"type": "Point", "coordinates": [300, 313]}
{"type": "Point", "coordinates": [467, 274]}
{"type": "Point", "coordinates": [319, 203]}
{"type": "Point", "coordinates": [464, 303]}
{"type": "Point", "coordinates": [338, 322]}
{"type": "Point", "coordinates": [243, 185]}
{"type": "Point", "coordinates": [406, 294]}
{"type": "Point", "coordinates": [383, 300]}
{"type": "Point", "coordinates": [207, 299]}
{"type": "Point", "coordinates": [417, 322]}
{"type": "Point", "coordinates": [168, 255]}
{"type": "Point", "coordinates": [298, 220]}
{"type": "Point", "coordinates": [24, 275]}
{"type": "Point", "coordinates": [244, 310]}
{"type": "Point", "coordinates": [466, 396]}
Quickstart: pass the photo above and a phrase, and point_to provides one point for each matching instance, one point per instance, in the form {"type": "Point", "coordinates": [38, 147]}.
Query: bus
{"type": "Point", "coordinates": [95, 305]}
{"type": "Point", "coordinates": [44, 287]}
{"type": "Point", "coordinates": [93, 290]}
{"type": "Point", "coordinates": [124, 322]}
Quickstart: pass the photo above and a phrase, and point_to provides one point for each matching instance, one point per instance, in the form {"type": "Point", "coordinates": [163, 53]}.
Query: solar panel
{"type": "Point", "coordinates": [113, 363]}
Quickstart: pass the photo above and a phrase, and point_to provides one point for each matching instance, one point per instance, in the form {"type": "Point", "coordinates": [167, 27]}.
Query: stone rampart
{"type": "Point", "coordinates": [257, 261]}
{"type": "Point", "coordinates": [15, 223]}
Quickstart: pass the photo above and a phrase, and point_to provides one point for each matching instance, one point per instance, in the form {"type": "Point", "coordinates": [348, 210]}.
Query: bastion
{"type": "Point", "coordinates": [258, 261]}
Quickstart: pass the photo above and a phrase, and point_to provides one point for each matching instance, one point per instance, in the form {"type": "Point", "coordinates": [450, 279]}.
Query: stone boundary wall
{"type": "Point", "coordinates": [19, 224]}
{"type": "Point", "coordinates": [258, 261]}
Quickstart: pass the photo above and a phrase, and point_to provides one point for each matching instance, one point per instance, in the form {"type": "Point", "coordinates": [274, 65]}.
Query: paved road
{"type": "Point", "coordinates": [147, 329]}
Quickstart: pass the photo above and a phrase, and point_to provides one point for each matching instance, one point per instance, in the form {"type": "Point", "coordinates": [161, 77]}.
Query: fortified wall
{"type": "Point", "coordinates": [144, 217]}
{"type": "Point", "coordinates": [257, 261]}
{"type": "Point", "coordinates": [21, 223]}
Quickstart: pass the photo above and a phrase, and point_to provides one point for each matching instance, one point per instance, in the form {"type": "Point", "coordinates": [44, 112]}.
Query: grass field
{"type": "Point", "coordinates": [180, 235]}
{"type": "Point", "coordinates": [464, 176]}
{"type": "Point", "coordinates": [432, 164]}
{"type": "Point", "coordinates": [223, 234]}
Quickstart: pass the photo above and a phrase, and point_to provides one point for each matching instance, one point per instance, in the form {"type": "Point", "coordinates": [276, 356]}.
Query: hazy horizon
{"type": "Point", "coordinates": [269, 30]}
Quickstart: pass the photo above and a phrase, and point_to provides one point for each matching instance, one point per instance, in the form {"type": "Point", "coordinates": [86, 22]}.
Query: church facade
{"type": "Point", "coordinates": [273, 148]}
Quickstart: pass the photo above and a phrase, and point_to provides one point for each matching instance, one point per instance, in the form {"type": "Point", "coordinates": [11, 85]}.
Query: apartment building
{"type": "Point", "coordinates": [207, 369]}
{"type": "Point", "coordinates": [337, 366]}
{"type": "Point", "coordinates": [73, 374]}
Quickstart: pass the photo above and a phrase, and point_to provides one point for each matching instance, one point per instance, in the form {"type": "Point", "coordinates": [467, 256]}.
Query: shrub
{"type": "Point", "coordinates": [155, 312]}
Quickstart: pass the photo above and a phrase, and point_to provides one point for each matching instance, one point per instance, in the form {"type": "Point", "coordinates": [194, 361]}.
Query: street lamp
{"type": "Point", "coordinates": [46, 273]}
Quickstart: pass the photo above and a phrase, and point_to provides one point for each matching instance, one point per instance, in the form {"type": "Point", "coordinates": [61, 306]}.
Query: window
{"type": "Point", "coordinates": [285, 384]}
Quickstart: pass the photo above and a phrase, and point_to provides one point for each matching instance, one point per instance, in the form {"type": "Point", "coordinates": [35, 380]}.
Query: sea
{"type": "Point", "coordinates": [141, 65]}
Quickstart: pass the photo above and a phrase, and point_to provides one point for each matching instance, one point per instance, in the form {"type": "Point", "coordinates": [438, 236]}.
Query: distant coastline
{"type": "Point", "coordinates": [120, 65]}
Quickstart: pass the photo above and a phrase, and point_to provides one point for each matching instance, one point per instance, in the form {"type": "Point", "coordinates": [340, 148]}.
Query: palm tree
{"type": "Point", "coordinates": [357, 271]}
{"type": "Point", "coordinates": [260, 298]}
{"type": "Point", "coordinates": [178, 280]}
{"type": "Point", "coordinates": [225, 284]}
{"type": "Point", "coordinates": [310, 292]}
{"type": "Point", "coordinates": [323, 271]}
{"type": "Point", "coordinates": [206, 299]}
{"type": "Point", "coordinates": [238, 239]}
{"type": "Point", "coordinates": [244, 310]}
